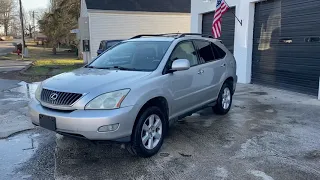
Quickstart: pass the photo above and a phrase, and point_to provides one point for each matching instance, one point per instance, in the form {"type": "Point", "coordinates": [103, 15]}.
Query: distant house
{"type": "Point", "coordinates": [118, 19]}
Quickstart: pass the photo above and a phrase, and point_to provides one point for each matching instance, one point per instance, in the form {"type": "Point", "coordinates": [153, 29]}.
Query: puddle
{"type": "Point", "coordinates": [15, 151]}
{"type": "Point", "coordinates": [26, 90]}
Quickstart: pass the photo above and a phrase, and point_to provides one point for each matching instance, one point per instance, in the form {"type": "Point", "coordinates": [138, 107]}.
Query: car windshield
{"type": "Point", "coordinates": [133, 55]}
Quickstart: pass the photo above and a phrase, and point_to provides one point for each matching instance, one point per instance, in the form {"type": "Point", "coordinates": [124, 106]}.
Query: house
{"type": "Point", "coordinates": [119, 19]}
{"type": "Point", "coordinates": [278, 43]}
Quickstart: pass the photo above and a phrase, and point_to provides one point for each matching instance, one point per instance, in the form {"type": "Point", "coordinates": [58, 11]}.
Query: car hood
{"type": "Point", "coordinates": [85, 80]}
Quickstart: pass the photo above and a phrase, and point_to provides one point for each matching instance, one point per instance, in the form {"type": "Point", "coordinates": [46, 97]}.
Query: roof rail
{"type": "Point", "coordinates": [195, 34]}
{"type": "Point", "coordinates": [156, 35]}
{"type": "Point", "coordinates": [176, 35]}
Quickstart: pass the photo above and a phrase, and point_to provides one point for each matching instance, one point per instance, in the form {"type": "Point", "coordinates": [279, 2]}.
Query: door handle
{"type": "Point", "coordinates": [201, 71]}
{"type": "Point", "coordinates": [223, 65]}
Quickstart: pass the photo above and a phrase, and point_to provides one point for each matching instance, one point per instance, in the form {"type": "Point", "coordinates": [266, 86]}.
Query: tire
{"type": "Point", "coordinates": [220, 107]}
{"type": "Point", "coordinates": [137, 147]}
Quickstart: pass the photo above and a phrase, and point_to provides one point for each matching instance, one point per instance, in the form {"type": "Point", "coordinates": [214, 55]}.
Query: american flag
{"type": "Point", "coordinates": [221, 8]}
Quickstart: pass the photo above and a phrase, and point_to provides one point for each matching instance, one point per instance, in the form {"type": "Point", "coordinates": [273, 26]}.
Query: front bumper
{"type": "Point", "coordinates": [86, 122]}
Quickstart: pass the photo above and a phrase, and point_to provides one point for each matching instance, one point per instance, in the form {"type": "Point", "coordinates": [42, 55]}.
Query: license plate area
{"type": "Point", "coordinates": [47, 122]}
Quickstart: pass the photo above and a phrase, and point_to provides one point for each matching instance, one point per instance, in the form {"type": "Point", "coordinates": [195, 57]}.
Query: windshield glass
{"type": "Point", "coordinates": [139, 56]}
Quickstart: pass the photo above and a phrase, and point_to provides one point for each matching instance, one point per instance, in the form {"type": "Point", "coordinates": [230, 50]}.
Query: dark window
{"type": "Point", "coordinates": [184, 50]}
{"type": "Point", "coordinates": [101, 46]}
{"type": "Point", "coordinates": [112, 43]}
{"type": "Point", "coordinates": [312, 39]}
{"type": "Point", "coordinates": [205, 51]}
{"type": "Point", "coordinates": [218, 52]}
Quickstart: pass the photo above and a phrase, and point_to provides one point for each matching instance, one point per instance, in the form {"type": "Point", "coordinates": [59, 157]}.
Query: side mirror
{"type": "Point", "coordinates": [180, 65]}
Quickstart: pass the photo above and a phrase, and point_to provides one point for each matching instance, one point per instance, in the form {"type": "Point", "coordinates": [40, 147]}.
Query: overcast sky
{"type": "Point", "coordinates": [34, 4]}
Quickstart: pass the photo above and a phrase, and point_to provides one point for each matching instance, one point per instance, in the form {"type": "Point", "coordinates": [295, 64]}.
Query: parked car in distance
{"type": "Point", "coordinates": [134, 91]}
{"type": "Point", "coordinates": [106, 44]}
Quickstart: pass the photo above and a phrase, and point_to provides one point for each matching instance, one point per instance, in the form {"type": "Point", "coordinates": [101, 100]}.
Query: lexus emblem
{"type": "Point", "coordinates": [53, 96]}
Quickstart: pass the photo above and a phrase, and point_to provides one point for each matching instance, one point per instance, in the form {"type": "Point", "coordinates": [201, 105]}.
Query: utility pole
{"type": "Point", "coordinates": [34, 27]}
{"type": "Point", "coordinates": [22, 27]}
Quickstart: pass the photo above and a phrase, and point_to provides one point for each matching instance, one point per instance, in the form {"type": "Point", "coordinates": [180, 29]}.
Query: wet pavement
{"type": "Point", "coordinates": [14, 98]}
{"type": "Point", "coordinates": [268, 134]}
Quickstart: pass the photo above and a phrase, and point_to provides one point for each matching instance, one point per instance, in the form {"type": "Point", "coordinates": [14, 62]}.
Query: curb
{"type": "Point", "coordinates": [23, 71]}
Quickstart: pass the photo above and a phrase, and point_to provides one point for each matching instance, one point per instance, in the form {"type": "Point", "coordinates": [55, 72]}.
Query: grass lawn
{"type": "Point", "coordinates": [45, 64]}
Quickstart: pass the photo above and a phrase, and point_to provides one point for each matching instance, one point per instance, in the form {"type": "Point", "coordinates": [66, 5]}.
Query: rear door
{"type": "Point", "coordinates": [213, 68]}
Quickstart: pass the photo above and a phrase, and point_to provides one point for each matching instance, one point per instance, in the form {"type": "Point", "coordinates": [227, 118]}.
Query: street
{"type": "Point", "coordinates": [9, 65]}
{"type": "Point", "coordinates": [5, 47]}
{"type": "Point", "coordinates": [268, 134]}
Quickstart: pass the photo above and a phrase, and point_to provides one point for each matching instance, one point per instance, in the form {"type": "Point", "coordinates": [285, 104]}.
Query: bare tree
{"type": "Point", "coordinates": [29, 21]}
{"type": "Point", "coordinates": [6, 14]}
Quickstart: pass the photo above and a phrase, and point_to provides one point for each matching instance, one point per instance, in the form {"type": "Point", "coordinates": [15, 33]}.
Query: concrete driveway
{"type": "Point", "coordinates": [269, 134]}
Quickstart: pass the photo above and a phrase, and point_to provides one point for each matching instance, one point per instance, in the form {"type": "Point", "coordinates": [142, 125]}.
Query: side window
{"type": "Point", "coordinates": [101, 45]}
{"type": "Point", "coordinates": [205, 51]}
{"type": "Point", "coordinates": [184, 50]}
{"type": "Point", "coordinates": [218, 52]}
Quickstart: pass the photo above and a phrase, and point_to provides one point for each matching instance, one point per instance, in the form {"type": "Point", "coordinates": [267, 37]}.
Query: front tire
{"type": "Point", "coordinates": [147, 137]}
{"type": "Point", "coordinates": [224, 100]}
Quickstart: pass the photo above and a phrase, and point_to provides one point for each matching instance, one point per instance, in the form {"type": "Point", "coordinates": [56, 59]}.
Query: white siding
{"type": "Point", "coordinates": [104, 26]}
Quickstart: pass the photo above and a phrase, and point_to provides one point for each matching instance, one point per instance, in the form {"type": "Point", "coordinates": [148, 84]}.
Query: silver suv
{"type": "Point", "coordinates": [135, 90]}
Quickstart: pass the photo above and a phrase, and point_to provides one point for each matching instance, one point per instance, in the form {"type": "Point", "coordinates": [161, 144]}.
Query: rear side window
{"type": "Point", "coordinates": [218, 52]}
{"type": "Point", "coordinates": [205, 51]}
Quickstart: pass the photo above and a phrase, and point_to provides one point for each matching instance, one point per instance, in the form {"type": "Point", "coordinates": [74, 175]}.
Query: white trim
{"type": "Point", "coordinates": [319, 90]}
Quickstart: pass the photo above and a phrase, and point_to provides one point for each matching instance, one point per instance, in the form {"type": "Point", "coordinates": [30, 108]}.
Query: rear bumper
{"type": "Point", "coordinates": [85, 123]}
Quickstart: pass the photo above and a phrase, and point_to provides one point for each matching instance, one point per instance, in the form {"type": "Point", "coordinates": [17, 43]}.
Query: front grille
{"type": "Point", "coordinates": [59, 98]}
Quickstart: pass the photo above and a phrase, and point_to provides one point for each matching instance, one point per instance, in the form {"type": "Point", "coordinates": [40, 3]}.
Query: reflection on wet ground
{"type": "Point", "coordinates": [16, 150]}
{"type": "Point", "coordinates": [13, 108]}
{"type": "Point", "coordinates": [271, 135]}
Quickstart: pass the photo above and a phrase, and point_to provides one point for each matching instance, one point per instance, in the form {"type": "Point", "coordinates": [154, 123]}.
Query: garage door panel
{"type": "Point", "coordinates": [299, 69]}
{"type": "Point", "coordinates": [287, 80]}
{"type": "Point", "coordinates": [283, 55]}
{"type": "Point", "coordinates": [285, 84]}
{"type": "Point", "coordinates": [228, 26]}
{"type": "Point", "coordinates": [303, 81]}
{"type": "Point", "coordinates": [288, 60]}
{"type": "Point", "coordinates": [313, 50]}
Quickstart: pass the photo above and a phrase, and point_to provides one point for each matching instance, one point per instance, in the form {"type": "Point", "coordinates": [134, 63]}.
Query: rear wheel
{"type": "Point", "coordinates": [224, 100]}
{"type": "Point", "coordinates": [147, 137]}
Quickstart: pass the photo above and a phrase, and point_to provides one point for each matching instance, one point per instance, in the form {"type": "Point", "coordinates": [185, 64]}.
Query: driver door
{"type": "Point", "coordinates": [184, 86]}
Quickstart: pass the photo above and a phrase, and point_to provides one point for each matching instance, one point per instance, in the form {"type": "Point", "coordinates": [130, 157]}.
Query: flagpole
{"type": "Point", "coordinates": [240, 21]}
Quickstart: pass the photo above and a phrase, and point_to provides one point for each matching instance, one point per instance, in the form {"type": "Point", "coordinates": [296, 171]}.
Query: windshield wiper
{"type": "Point", "coordinates": [93, 67]}
{"type": "Point", "coordinates": [124, 68]}
{"type": "Point", "coordinates": [89, 67]}
{"type": "Point", "coordinates": [113, 67]}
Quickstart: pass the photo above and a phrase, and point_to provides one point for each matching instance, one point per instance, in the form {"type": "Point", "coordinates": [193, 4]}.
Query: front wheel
{"type": "Point", "coordinates": [224, 100]}
{"type": "Point", "coordinates": [147, 137]}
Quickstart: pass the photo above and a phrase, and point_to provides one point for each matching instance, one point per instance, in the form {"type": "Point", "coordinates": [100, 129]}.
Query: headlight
{"type": "Point", "coordinates": [111, 100]}
{"type": "Point", "coordinates": [38, 92]}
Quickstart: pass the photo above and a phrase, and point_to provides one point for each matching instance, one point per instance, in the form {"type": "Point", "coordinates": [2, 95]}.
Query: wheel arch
{"type": "Point", "coordinates": [158, 101]}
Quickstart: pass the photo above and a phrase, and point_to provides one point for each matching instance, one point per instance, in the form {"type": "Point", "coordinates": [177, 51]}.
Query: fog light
{"type": "Point", "coordinates": [108, 128]}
